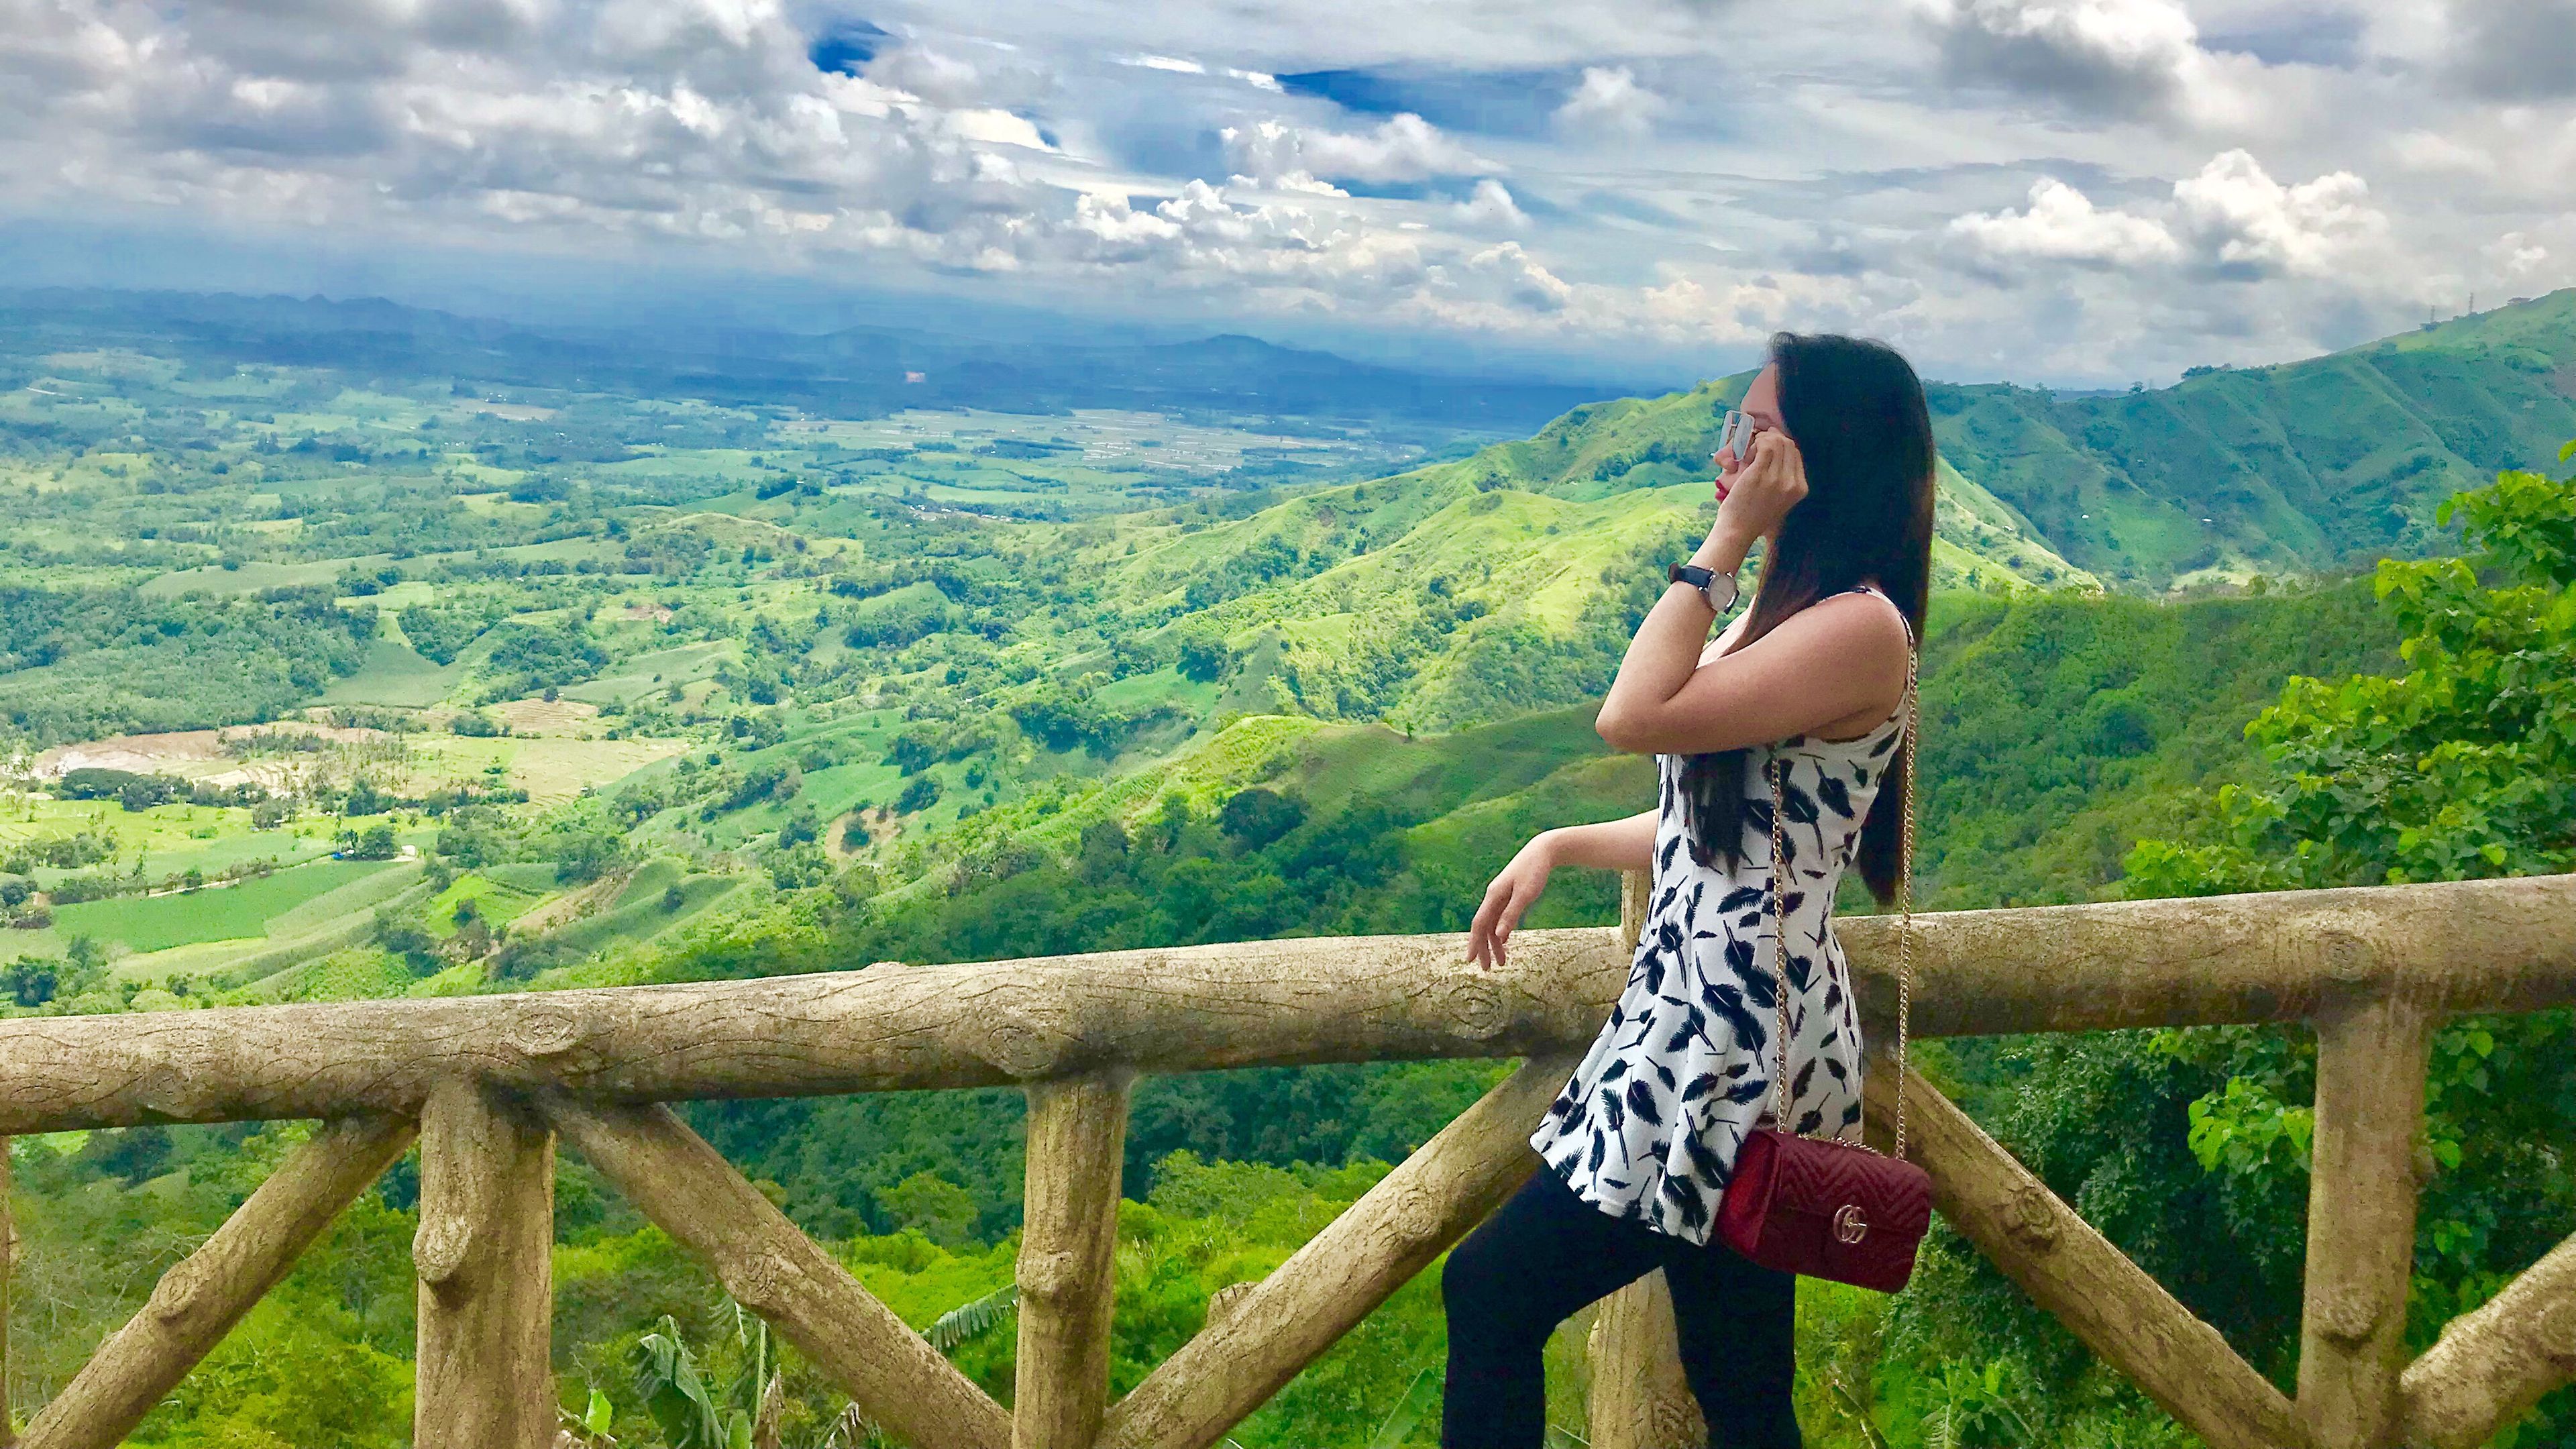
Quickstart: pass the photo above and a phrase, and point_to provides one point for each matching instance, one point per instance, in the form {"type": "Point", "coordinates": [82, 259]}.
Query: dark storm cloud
{"type": "Point", "coordinates": [2115, 58]}
{"type": "Point", "coordinates": [2516, 50]}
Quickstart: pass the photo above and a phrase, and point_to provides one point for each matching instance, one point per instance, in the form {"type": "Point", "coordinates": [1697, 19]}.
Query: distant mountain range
{"type": "Point", "coordinates": [853, 372]}
{"type": "Point", "coordinates": [2313, 465]}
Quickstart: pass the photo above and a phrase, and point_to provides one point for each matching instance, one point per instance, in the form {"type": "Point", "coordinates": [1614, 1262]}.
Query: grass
{"type": "Point", "coordinates": [394, 675]}
{"type": "Point", "coordinates": [355, 893]}
{"type": "Point", "coordinates": [496, 903]}
{"type": "Point", "coordinates": [215, 913]}
{"type": "Point", "coordinates": [641, 917]}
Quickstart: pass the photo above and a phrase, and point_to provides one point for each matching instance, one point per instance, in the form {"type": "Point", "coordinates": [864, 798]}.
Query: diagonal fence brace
{"type": "Point", "coordinates": [772, 1268]}
{"type": "Point", "coordinates": [199, 1300]}
{"type": "Point", "coordinates": [1342, 1274]}
{"type": "Point", "coordinates": [2068, 1268]}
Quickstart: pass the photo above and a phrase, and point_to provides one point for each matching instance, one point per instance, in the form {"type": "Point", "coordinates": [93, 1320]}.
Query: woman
{"type": "Point", "coordinates": [1807, 687]}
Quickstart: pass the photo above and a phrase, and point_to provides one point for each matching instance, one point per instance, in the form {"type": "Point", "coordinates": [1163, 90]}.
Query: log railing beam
{"type": "Point", "coordinates": [769, 1266]}
{"type": "Point", "coordinates": [484, 1256]}
{"type": "Point", "coordinates": [2492, 945]}
{"type": "Point", "coordinates": [199, 1300]}
{"type": "Point", "coordinates": [2498, 1359]}
{"type": "Point", "coordinates": [2068, 1268]}
{"type": "Point", "coordinates": [1077, 1143]}
{"type": "Point", "coordinates": [2371, 1057]}
{"type": "Point", "coordinates": [1342, 1274]}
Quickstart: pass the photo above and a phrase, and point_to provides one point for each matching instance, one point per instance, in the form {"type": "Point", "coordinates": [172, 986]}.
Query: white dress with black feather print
{"type": "Point", "coordinates": [1648, 1126]}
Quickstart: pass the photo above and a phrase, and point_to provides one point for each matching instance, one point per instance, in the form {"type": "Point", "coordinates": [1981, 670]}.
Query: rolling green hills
{"type": "Point", "coordinates": [2318, 464]}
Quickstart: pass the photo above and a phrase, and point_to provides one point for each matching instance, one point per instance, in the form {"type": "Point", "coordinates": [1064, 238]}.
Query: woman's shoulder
{"type": "Point", "coordinates": [1864, 617]}
{"type": "Point", "coordinates": [1888, 606]}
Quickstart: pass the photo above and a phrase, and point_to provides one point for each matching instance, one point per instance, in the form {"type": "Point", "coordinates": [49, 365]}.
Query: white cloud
{"type": "Point", "coordinates": [928, 74]}
{"type": "Point", "coordinates": [1825, 181]}
{"type": "Point", "coordinates": [1609, 101]}
{"type": "Point", "coordinates": [2062, 224]}
{"type": "Point", "coordinates": [2230, 217]}
{"type": "Point", "coordinates": [2516, 254]}
{"type": "Point", "coordinates": [1404, 148]}
{"type": "Point", "coordinates": [1492, 205]}
{"type": "Point", "coordinates": [2096, 56]}
{"type": "Point", "coordinates": [2250, 223]}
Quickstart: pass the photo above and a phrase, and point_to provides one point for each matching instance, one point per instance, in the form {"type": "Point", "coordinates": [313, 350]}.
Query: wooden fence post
{"type": "Point", "coordinates": [1639, 1398]}
{"type": "Point", "coordinates": [8, 1270]}
{"type": "Point", "coordinates": [484, 1257]}
{"type": "Point", "coordinates": [1077, 1144]}
{"type": "Point", "coordinates": [2371, 1058]}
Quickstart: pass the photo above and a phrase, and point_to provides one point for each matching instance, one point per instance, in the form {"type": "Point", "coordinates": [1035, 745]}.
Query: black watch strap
{"type": "Point", "coordinates": [1716, 589]}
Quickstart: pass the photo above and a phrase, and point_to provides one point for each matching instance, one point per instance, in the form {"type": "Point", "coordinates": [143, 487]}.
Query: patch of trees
{"type": "Point", "coordinates": [527, 657]}
{"type": "Point", "coordinates": [439, 634]}
{"type": "Point", "coordinates": [140, 791]}
{"type": "Point", "coordinates": [81, 663]}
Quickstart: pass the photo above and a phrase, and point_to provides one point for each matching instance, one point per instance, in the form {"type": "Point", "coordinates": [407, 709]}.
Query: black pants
{"type": "Point", "coordinates": [1546, 1253]}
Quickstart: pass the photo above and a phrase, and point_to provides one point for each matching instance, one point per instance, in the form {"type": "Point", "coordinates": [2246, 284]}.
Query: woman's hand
{"type": "Point", "coordinates": [1508, 899]}
{"type": "Point", "coordinates": [1752, 502]}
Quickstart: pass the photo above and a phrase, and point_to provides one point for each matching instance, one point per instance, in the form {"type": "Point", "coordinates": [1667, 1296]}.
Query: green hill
{"type": "Point", "coordinates": [1465, 591]}
{"type": "Point", "coordinates": [2318, 464]}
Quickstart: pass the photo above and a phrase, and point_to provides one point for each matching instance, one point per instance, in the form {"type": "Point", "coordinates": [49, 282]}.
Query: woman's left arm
{"type": "Point", "coordinates": [1822, 664]}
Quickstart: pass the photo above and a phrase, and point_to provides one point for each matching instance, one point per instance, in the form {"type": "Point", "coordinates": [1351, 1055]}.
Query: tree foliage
{"type": "Point", "coordinates": [2464, 765]}
{"type": "Point", "coordinates": [2190, 1149]}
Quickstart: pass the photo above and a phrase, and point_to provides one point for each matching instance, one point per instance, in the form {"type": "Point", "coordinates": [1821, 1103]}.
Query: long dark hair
{"type": "Point", "coordinates": [1856, 411]}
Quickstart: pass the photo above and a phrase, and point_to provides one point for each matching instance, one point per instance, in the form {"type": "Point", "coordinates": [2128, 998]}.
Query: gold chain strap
{"type": "Point", "coordinates": [1905, 897]}
{"type": "Point", "coordinates": [1778, 771]}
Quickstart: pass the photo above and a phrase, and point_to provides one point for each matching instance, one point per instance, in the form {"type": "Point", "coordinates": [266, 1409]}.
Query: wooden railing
{"type": "Point", "coordinates": [487, 1084]}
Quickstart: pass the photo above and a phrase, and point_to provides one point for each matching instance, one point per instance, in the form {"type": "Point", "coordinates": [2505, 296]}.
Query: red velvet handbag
{"type": "Point", "coordinates": [1814, 1206]}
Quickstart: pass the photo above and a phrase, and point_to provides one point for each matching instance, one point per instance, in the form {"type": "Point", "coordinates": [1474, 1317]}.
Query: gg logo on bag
{"type": "Point", "coordinates": [1850, 1226]}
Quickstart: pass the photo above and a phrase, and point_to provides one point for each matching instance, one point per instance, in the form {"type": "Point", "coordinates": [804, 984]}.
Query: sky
{"type": "Point", "coordinates": [2079, 192]}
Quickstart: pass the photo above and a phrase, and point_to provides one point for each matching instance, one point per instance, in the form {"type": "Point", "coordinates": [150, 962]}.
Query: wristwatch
{"type": "Point", "coordinates": [1719, 589]}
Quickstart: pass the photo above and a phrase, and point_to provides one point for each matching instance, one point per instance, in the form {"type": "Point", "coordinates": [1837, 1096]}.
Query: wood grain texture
{"type": "Point", "coordinates": [1639, 1399]}
{"type": "Point", "coordinates": [674, 1178]}
{"type": "Point", "coordinates": [2496, 1360]}
{"type": "Point", "coordinates": [2498, 945]}
{"type": "Point", "coordinates": [1413, 1214]}
{"type": "Point", "coordinates": [201, 1297]}
{"type": "Point", "coordinates": [1077, 1143]}
{"type": "Point", "coordinates": [2371, 1058]}
{"type": "Point", "coordinates": [8, 1271]}
{"type": "Point", "coordinates": [2072, 1271]}
{"type": "Point", "coordinates": [484, 1254]}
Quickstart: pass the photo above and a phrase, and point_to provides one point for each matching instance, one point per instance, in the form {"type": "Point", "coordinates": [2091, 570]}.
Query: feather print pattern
{"type": "Point", "coordinates": [1648, 1125]}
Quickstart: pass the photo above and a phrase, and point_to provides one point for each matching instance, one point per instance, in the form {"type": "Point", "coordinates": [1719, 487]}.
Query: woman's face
{"type": "Point", "coordinates": [1762, 405]}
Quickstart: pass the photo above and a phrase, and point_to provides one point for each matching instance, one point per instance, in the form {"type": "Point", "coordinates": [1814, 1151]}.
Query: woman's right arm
{"type": "Point", "coordinates": [1609, 845]}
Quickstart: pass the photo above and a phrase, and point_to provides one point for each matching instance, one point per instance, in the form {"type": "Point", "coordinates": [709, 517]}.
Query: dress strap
{"type": "Point", "coordinates": [1891, 603]}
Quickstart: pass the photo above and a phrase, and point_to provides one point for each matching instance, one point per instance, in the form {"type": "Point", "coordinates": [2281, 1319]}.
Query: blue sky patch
{"type": "Point", "coordinates": [1491, 103]}
{"type": "Point", "coordinates": [847, 47]}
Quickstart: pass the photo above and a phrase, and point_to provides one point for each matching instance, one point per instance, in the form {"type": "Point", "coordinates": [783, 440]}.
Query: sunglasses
{"type": "Point", "coordinates": [1736, 431]}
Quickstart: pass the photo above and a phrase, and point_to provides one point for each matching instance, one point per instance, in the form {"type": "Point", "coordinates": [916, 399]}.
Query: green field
{"type": "Point", "coordinates": [214, 913]}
